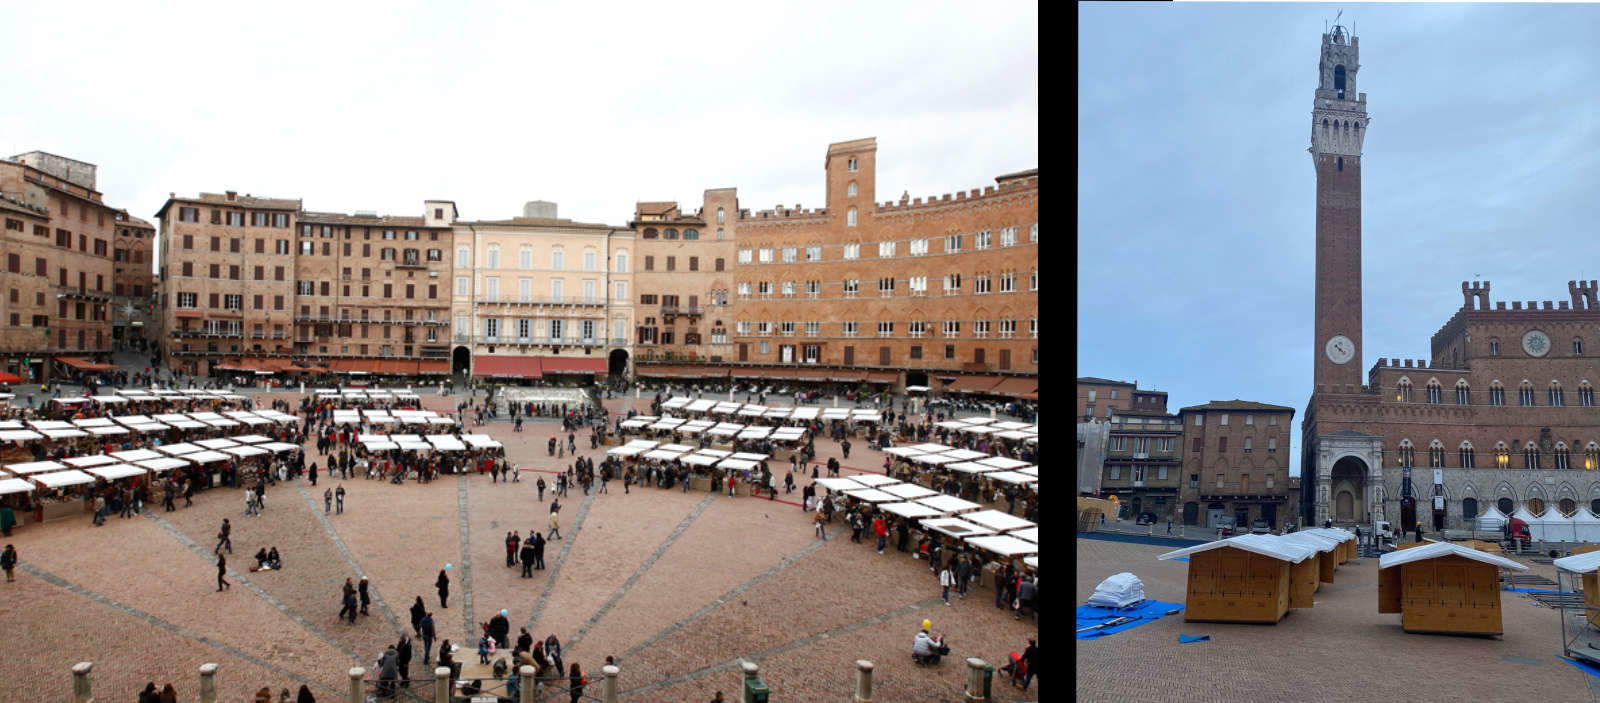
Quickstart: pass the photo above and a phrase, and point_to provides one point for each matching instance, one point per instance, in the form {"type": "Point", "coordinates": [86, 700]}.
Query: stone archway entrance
{"type": "Point", "coordinates": [461, 364]}
{"type": "Point", "coordinates": [617, 367]}
{"type": "Point", "coordinates": [1349, 490]}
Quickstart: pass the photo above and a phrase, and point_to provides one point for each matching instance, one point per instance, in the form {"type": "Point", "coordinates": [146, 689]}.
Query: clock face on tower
{"type": "Point", "coordinates": [1340, 349]}
{"type": "Point", "coordinates": [1536, 343]}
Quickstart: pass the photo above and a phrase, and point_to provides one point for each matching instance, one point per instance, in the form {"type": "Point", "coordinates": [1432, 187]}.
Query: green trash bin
{"type": "Point", "coordinates": [755, 690]}
{"type": "Point", "coordinates": [988, 682]}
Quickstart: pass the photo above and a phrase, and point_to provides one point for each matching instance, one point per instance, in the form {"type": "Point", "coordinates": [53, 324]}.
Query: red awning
{"type": "Point", "coordinates": [691, 371]}
{"type": "Point", "coordinates": [84, 364]}
{"type": "Point", "coordinates": [1016, 387]}
{"type": "Point", "coordinates": [508, 366]}
{"type": "Point", "coordinates": [572, 364]}
{"type": "Point", "coordinates": [882, 376]}
{"type": "Point", "coordinates": [973, 384]}
{"type": "Point", "coordinates": [192, 314]}
{"type": "Point", "coordinates": [9, 378]}
{"type": "Point", "coordinates": [433, 367]}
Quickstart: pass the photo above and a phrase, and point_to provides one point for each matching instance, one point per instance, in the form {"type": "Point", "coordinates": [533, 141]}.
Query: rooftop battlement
{"type": "Point", "coordinates": [1006, 185]}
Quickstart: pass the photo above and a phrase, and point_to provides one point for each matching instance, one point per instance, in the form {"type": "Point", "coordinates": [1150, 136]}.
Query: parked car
{"type": "Point", "coordinates": [1260, 526]}
{"type": "Point", "coordinates": [1146, 519]}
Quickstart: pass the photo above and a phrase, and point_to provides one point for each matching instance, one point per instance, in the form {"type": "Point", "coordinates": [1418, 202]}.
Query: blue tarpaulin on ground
{"type": "Point", "coordinates": [1142, 614]}
{"type": "Point", "coordinates": [1533, 590]}
{"type": "Point", "coordinates": [1585, 667]}
{"type": "Point", "coordinates": [1186, 639]}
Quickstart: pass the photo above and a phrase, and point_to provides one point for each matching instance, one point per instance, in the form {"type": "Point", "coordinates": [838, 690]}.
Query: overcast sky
{"type": "Point", "coordinates": [1197, 197]}
{"type": "Point", "coordinates": [591, 105]}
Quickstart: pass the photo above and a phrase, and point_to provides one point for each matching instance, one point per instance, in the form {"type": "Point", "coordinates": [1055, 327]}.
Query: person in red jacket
{"type": "Point", "coordinates": [881, 529]}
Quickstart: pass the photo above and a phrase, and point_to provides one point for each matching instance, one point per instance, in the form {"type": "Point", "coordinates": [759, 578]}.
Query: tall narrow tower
{"type": "Point", "coordinates": [1338, 125]}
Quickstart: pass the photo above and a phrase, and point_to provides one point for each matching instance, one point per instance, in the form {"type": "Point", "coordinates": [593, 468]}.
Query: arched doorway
{"type": "Point", "coordinates": [1214, 513]}
{"type": "Point", "coordinates": [461, 362]}
{"type": "Point", "coordinates": [1506, 506]}
{"type": "Point", "coordinates": [916, 378]}
{"type": "Point", "coordinates": [1191, 513]}
{"type": "Point", "coordinates": [1349, 486]}
{"type": "Point", "coordinates": [617, 369]}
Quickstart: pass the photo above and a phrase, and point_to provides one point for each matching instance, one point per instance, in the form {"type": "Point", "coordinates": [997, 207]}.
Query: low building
{"type": "Point", "coordinates": [1101, 398]}
{"type": "Point", "coordinates": [1236, 462]}
{"type": "Point", "coordinates": [1144, 463]}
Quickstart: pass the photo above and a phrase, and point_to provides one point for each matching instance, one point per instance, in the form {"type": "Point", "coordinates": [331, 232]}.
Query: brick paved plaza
{"type": "Point", "coordinates": [677, 586]}
{"type": "Point", "coordinates": [1340, 650]}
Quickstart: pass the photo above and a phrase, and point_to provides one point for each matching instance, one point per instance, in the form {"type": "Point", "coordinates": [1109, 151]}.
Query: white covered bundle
{"type": "Point", "coordinates": [1119, 591]}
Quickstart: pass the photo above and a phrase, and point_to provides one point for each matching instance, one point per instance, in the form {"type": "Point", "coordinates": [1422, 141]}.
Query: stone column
{"type": "Point", "coordinates": [81, 685]}
{"type": "Point", "coordinates": [863, 681]}
{"type": "Point", "coordinates": [975, 670]}
{"type": "Point", "coordinates": [609, 689]}
{"type": "Point", "coordinates": [441, 683]}
{"type": "Point", "coordinates": [356, 694]}
{"type": "Point", "coordinates": [525, 693]}
{"type": "Point", "coordinates": [208, 683]}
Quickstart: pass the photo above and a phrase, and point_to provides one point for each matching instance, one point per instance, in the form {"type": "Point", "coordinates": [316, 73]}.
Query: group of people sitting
{"type": "Point", "coordinates": [267, 560]}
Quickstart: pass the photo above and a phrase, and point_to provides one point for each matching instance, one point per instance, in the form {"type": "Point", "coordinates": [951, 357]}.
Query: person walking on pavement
{"type": "Point", "coordinates": [425, 631]}
{"type": "Point", "coordinates": [8, 563]}
{"type": "Point", "coordinates": [417, 611]}
{"type": "Point", "coordinates": [443, 584]}
{"type": "Point", "coordinates": [881, 529]}
{"type": "Point", "coordinates": [403, 663]}
{"type": "Point", "coordinates": [365, 598]}
{"type": "Point", "coordinates": [540, 486]}
{"type": "Point", "coordinates": [327, 501]}
{"type": "Point", "coordinates": [555, 523]}
{"type": "Point", "coordinates": [223, 538]}
{"type": "Point", "coordinates": [845, 447]}
{"type": "Point", "coordinates": [946, 581]}
{"type": "Point", "coordinates": [817, 520]}
{"type": "Point", "coordinates": [338, 497]}
{"type": "Point", "coordinates": [513, 542]}
{"type": "Point", "coordinates": [527, 557]}
{"type": "Point", "coordinates": [347, 602]}
{"type": "Point", "coordinates": [538, 550]}
{"type": "Point", "coordinates": [222, 569]}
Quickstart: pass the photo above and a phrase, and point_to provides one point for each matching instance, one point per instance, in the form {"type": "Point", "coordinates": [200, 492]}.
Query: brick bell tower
{"type": "Point", "coordinates": [1338, 125]}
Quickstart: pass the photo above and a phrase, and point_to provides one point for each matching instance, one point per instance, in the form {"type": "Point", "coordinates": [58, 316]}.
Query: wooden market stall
{"type": "Point", "coordinates": [1443, 588]}
{"type": "Point", "coordinates": [1306, 577]}
{"type": "Point", "coordinates": [1242, 579]}
{"type": "Point", "coordinates": [1583, 565]}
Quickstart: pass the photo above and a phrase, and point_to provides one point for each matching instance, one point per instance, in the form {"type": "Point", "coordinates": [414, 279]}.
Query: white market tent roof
{"type": "Point", "coordinates": [699, 459]}
{"type": "Point", "coordinates": [965, 454]}
{"type": "Point", "coordinates": [206, 457]}
{"type": "Point", "coordinates": [179, 448]}
{"type": "Point", "coordinates": [1011, 477]}
{"type": "Point", "coordinates": [737, 464]}
{"type": "Point", "coordinates": [642, 444]}
{"type": "Point", "coordinates": [909, 491]}
{"type": "Point", "coordinates": [675, 403]}
{"type": "Point", "coordinates": [749, 456]}
{"type": "Point", "coordinates": [33, 467]}
{"type": "Point", "coordinates": [997, 521]}
{"type": "Point", "coordinates": [978, 420]}
{"type": "Point", "coordinates": [481, 441]}
{"type": "Point", "coordinates": [64, 434]}
{"type": "Point", "coordinates": [1030, 471]}
{"type": "Point", "coordinates": [969, 467]}
{"type": "Point", "coordinates": [955, 528]}
{"type": "Point", "coordinates": [84, 462]}
{"type": "Point", "coordinates": [244, 450]}
{"type": "Point", "coordinates": [159, 465]}
{"type": "Point", "coordinates": [872, 495]}
{"type": "Point", "coordinates": [950, 504]}
{"type": "Point", "coordinates": [446, 443]}
{"type": "Point", "coordinates": [718, 453]}
{"type": "Point", "coordinates": [136, 455]}
{"type": "Point", "coordinates": [279, 447]}
{"type": "Point", "coordinates": [114, 472]}
{"type": "Point", "coordinates": [1575, 564]}
{"type": "Point", "coordinates": [251, 439]}
{"type": "Point", "coordinates": [93, 422]}
{"type": "Point", "coordinates": [1031, 534]}
{"type": "Point", "coordinates": [909, 510]}
{"type": "Point", "coordinates": [933, 459]}
{"type": "Point", "coordinates": [676, 447]}
{"type": "Point", "coordinates": [874, 480]}
{"type": "Point", "coordinates": [59, 479]}
{"type": "Point", "coordinates": [1032, 561]}
{"type": "Point", "coordinates": [838, 484]}
{"type": "Point", "coordinates": [626, 451]}
{"type": "Point", "coordinates": [102, 431]}
{"type": "Point", "coordinates": [1259, 544]}
{"type": "Point", "coordinates": [19, 435]}
{"type": "Point", "coordinates": [931, 448]}
{"type": "Point", "coordinates": [1003, 462]}
{"type": "Point", "coordinates": [1004, 545]}
{"type": "Point", "coordinates": [1444, 549]}
{"type": "Point", "coordinates": [662, 454]}
{"type": "Point", "coordinates": [15, 485]}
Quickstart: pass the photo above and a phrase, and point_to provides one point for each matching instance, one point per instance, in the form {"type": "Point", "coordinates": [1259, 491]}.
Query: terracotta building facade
{"type": "Point", "coordinates": [55, 313]}
{"type": "Point", "coordinates": [685, 280]}
{"type": "Point", "coordinates": [1236, 463]}
{"type": "Point", "coordinates": [133, 287]}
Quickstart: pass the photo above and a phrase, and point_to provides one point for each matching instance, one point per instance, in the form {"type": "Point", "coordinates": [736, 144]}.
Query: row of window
{"type": "Point", "coordinates": [1140, 472]}
{"type": "Point", "coordinates": [330, 231]}
{"type": "Point", "coordinates": [1532, 456]}
{"type": "Point", "coordinates": [980, 329]}
{"type": "Point", "coordinates": [953, 244]}
{"type": "Point", "coordinates": [982, 283]}
{"type": "Point", "coordinates": [1197, 444]}
{"type": "Point", "coordinates": [491, 290]}
{"type": "Point", "coordinates": [672, 233]}
{"type": "Point", "coordinates": [525, 259]}
{"type": "Point", "coordinates": [1555, 395]}
{"type": "Point", "coordinates": [41, 267]}
{"type": "Point", "coordinates": [494, 327]}
{"type": "Point", "coordinates": [1494, 344]}
{"type": "Point", "coordinates": [812, 353]}
{"type": "Point", "coordinates": [1141, 444]}
{"type": "Point", "coordinates": [236, 218]}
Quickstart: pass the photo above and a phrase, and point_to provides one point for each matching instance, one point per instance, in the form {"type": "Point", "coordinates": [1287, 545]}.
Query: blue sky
{"type": "Point", "coordinates": [1196, 194]}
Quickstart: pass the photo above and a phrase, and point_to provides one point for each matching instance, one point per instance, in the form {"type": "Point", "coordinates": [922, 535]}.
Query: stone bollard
{"type": "Point", "coordinates": [863, 681]}
{"type": "Point", "coordinates": [81, 686]}
{"type": "Point", "coordinates": [525, 693]}
{"type": "Point", "coordinates": [441, 683]}
{"type": "Point", "coordinates": [976, 669]}
{"type": "Point", "coordinates": [609, 689]}
{"type": "Point", "coordinates": [208, 683]}
{"type": "Point", "coordinates": [356, 694]}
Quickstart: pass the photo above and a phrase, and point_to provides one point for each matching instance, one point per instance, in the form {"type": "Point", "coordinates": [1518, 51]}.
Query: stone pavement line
{"type": "Point", "coordinates": [792, 645]}
{"type": "Point", "coordinates": [350, 558]}
{"type": "Point", "coordinates": [465, 531]}
{"type": "Point", "coordinates": [172, 627]}
{"type": "Point", "coordinates": [550, 581]}
{"type": "Point", "coordinates": [769, 573]}
{"type": "Point", "coordinates": [268, 597]}
{"type": "Point", "coordinates": [640, 572]}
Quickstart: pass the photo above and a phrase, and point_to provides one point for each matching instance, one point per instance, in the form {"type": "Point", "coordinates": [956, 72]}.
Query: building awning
{"type": "Point", "coordinates": [572, 365]}
{"type": "Point", "coordinates": [82, 364]}
{"type": "Point", "coordinates": [191, 314]}
{"type": "Point", "coordinates": [1015, 387]}
{"type": "Point", "coordinates": [433, 367]}
{"type": "Point", "coordinates": [814, 374]}
{"type": "Point", "coordinates": [882, 377]}
{"type": "Point", "coordinates": [692, 371]}
{"type": "Point", "coordinates": [973, 384]}
{"type": "Point", "coordinates": [508, 366]}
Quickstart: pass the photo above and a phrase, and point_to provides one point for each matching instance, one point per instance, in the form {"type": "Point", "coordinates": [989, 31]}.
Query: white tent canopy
{"type": "Point", "coordinates": [909, 510]}
{"type": "Point", "coordinates": [873, 480]}
{"type": "Point", "coordinates": [1260, 544]}
{"type": "Point", "coordinates": [955, 528]}
{"type": "Point", "coordinates": [1004, 545]}
{"type": "Point", "coordinates": [15, 485]}
{"type": "Point", "coordinates": [950, 504]}
{"type": "Point", "coordinates": [873, 495]}
{"type": "Point", "coordinates": [116, 471]}
{"type": "Point", "coordinates": [838, 484]}
{"type": "Point", "coordinates": [60, 479]}
{"type": "Point", "coordinates": [35, 467]}
{"type": "Point", "coordinates": [997, 521]}
{"type": "Point", "coordinates": [1444, 549]}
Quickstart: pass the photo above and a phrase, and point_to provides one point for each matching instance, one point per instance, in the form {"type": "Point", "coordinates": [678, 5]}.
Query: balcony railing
{"type": "Point", "coordinates": [682, 310]}
{"type": "Point", "coordinates": [535, 341]}
{"type": "Point", "coordinates": [562, 300]}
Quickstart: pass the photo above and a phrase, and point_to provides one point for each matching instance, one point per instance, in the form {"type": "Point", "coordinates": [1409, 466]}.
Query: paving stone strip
{"type": "Point", "coordinates": [792, 645]}
{"type": "Point", "coordinates": [464, 574]}
{"type": "Point", "coordinates": [555, 572]}
{"type": "Point", "coordinates": [172, 627]}
{"type": "Point", "coordinates": [640, 572]}
{"type": "Point", "coordinates": [350, 558]}
{"type": "Point", "coordinates": [730, 595]}
{"type": "Point", "coordinates": [282, 607]}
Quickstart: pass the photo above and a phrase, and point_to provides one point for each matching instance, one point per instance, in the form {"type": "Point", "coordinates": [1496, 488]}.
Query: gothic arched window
{"type": "Point", "coordinates": [1463, 393]}
{"type": "Point", "coordinates": [1557, 398]}
{"type": "Point", "coordinates": [1436, 454]}
{"type": "Point", "coordinates": [1525, 394]}
{"type": "Point", "coordinates": [1497, 393]}
{"type": "Point", "coordinates": [1563, 456]}
{"type": "Point", "coordinates": [1466, 455]}
{"type": "Point", "coordinates": [1530, 456]}
{"type": "Point", "coordinates": [1435, 393]}
{"type": "Point", "coordinates": [1407, 454]}
{"type": "Point", "coordinates": [1403, 390]}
